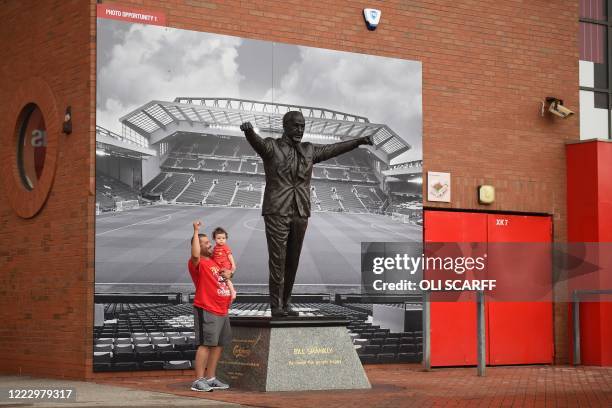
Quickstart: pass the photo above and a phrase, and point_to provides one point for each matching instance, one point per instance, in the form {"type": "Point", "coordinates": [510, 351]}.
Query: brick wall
{"type": "Point", "coordinates": [46, 263]}
{"type": "Point", "coordinates": [486, 67]}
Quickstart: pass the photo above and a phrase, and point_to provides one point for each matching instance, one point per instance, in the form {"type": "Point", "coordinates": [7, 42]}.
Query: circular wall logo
{"type": "Point", "coordinates": [32, 145]}
{"type": "Point", "coordinates": [29, 146]}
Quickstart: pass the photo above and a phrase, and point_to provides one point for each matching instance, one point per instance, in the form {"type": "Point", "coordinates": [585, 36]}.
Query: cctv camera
{"type": "Point", "coordinates": [559, 110]}
{"type": "Point", "coordinates": [556, 108]}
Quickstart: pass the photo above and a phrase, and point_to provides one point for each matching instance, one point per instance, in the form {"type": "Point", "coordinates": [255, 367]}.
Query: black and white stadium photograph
{"type": "Point", "coordinates": [170, 151]}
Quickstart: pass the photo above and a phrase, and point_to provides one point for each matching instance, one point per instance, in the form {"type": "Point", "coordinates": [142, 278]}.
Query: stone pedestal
{"type": "Point", "coordinates": [287, 354]}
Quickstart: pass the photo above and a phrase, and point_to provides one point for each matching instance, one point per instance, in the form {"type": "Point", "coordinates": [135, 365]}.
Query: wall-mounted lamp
{"type": "Point", "coordinates": [486, 194]}
{"type": "Point", "coordinates": [67, 126]}
{"type": "Point", "coordinates": [555, 106]}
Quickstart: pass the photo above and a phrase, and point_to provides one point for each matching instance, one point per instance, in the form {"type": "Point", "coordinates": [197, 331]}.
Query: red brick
{"type": "Point", "coordinates": [486, 67]}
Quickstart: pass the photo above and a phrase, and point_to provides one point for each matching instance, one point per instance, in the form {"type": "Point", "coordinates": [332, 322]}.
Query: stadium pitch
{"type": "Point", "coordinates": [147, 249]}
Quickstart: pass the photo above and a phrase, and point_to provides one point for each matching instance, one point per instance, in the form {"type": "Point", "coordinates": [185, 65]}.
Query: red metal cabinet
{"type": "Point", "coordinates": [589, 219]}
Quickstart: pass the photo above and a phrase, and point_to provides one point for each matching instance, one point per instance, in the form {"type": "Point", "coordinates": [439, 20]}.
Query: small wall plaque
{"type": "Point", "coordinates": [438, 186]}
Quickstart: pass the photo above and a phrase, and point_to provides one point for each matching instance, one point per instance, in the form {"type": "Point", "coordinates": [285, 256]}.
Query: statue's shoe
{"type": "Point", "coordinates": [291, 312]}
{"type": "Point", "coordinates": [279, 313]}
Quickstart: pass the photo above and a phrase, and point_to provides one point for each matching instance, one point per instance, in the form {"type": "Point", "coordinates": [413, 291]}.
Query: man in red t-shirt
{"type": "Point", "coordinates": [210, 307]}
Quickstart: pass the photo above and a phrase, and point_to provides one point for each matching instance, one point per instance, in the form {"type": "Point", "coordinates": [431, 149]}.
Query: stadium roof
{"type": "Point", "coordinates": [112, 143]}
{"type": "Point", "coordinates": [157, 120]}
{"type": "Point", "coordinates": [405, 170]}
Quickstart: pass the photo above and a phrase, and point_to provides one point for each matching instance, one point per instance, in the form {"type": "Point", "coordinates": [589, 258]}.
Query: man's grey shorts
{"type": "Point", "coordinates": [210, 329]}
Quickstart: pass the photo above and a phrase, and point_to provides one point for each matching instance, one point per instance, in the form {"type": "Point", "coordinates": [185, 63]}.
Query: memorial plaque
{"type": "Point", "coordinates": [291, 356]}
{"type": "Point", "coordinates": [244, 364]}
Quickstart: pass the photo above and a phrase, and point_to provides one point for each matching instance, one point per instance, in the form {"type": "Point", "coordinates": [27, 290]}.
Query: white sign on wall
{"type": "Point", "coordinates": [438, 186]}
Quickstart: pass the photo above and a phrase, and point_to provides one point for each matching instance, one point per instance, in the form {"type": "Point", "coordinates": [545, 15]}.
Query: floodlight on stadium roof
{"type": "Point", "coordinates": [157, 120]}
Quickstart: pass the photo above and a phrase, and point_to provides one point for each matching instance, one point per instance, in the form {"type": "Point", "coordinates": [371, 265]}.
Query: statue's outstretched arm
{"type": "Point", "coordinates": [326, 152]}
{"type": "Point", "coordinates": [260, 145]}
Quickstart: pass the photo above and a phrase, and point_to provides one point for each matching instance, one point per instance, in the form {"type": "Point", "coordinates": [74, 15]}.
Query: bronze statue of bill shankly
{"type": "Point", "coordinates": [286, 205]}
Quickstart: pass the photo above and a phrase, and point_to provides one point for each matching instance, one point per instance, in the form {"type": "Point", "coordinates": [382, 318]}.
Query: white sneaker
{"type": "Point", "coordinates": [216, 384]}
{"type": "Point", "coordinates": [201, 385]}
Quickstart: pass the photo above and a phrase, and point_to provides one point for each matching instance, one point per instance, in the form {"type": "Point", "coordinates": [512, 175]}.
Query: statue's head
{"type": "Point", "coordinates": [293, 126]}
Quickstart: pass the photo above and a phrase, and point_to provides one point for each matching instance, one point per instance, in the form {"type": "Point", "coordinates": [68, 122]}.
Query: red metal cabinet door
{"type": "Point", "coordinates": [453, 324]}
{"type": "Point", "coordinates": [520, 332]}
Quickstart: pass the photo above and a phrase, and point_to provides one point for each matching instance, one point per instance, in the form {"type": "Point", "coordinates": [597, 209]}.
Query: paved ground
{"type": "Point", "coordinates": [101, 395]}
{"type": "Point", "coordinates": [408, 386]}
{"type": "Point", "coordinates": [393, 386]}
